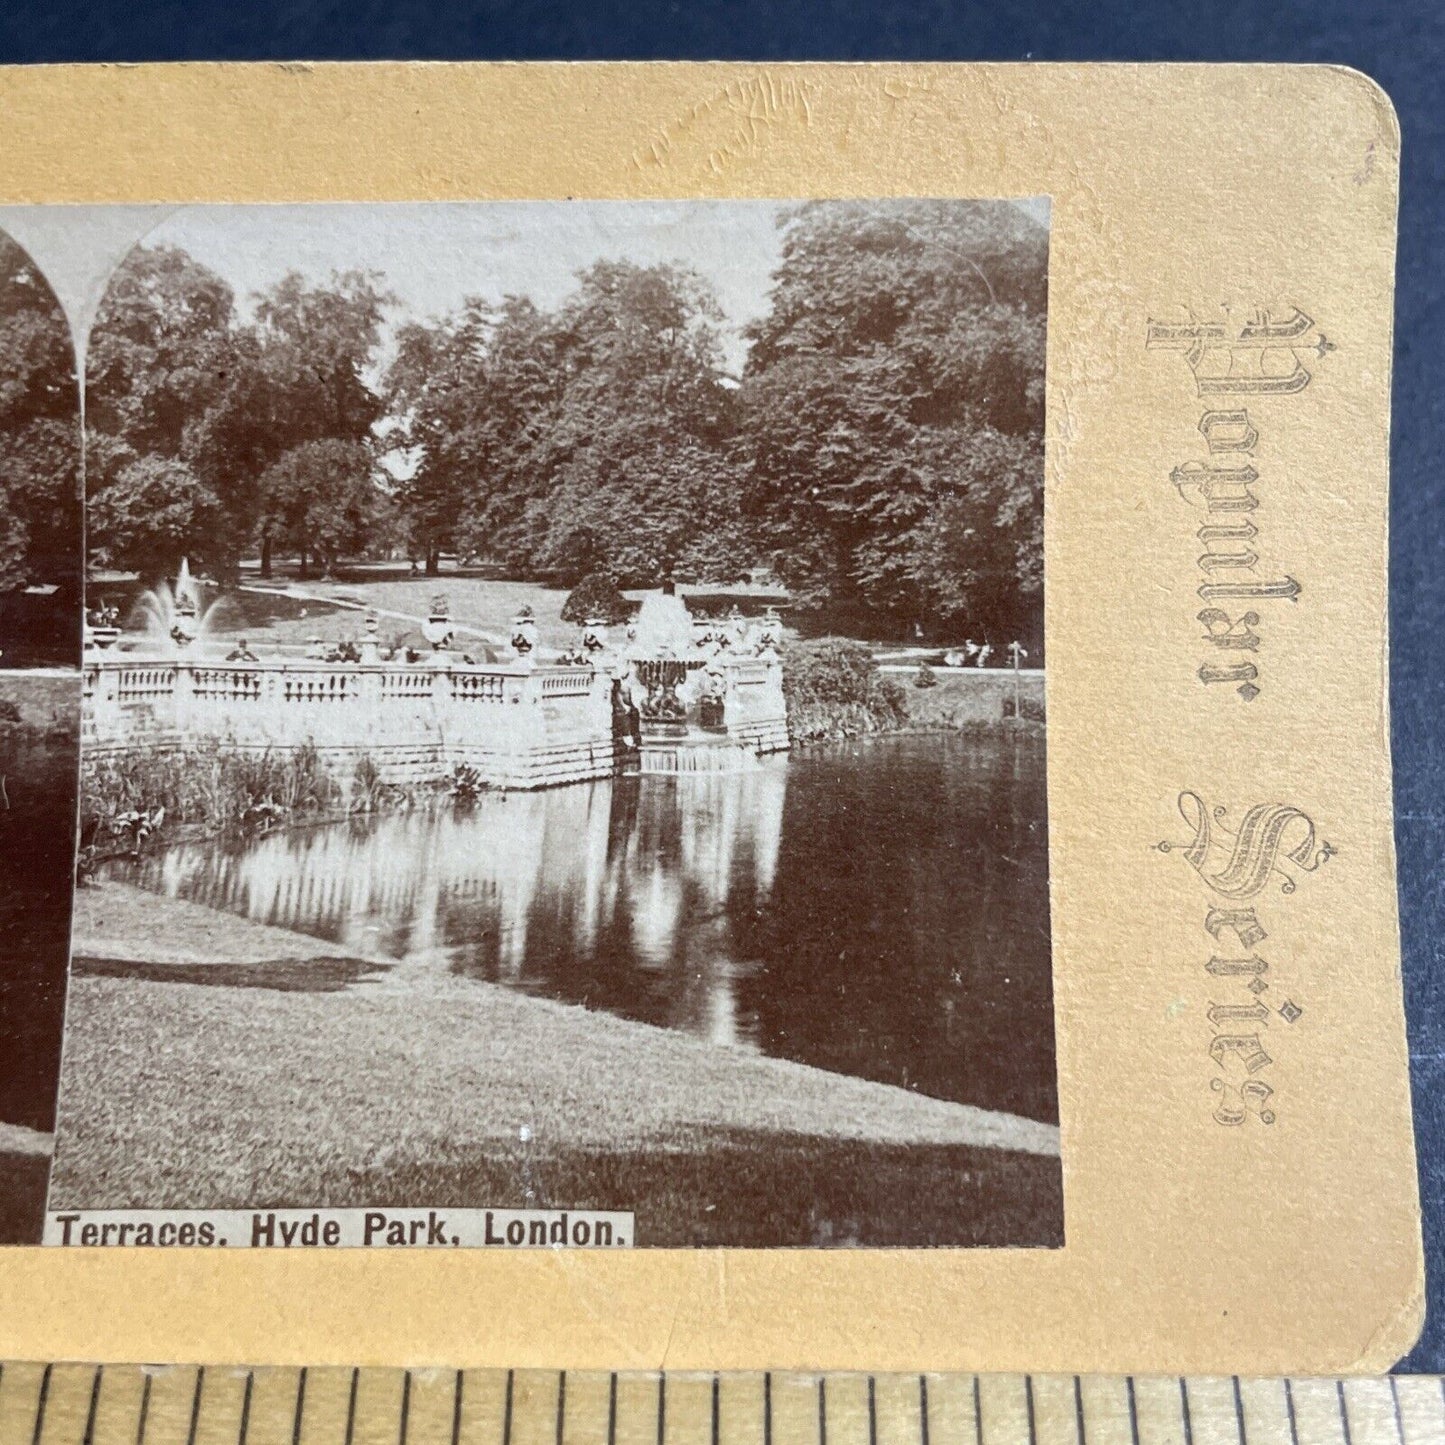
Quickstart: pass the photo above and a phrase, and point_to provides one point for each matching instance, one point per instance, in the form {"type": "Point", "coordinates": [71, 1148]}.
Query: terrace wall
{"type": "Point", "coordinates": [518, 726]}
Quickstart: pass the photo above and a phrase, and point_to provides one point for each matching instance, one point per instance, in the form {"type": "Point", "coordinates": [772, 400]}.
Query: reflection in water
{"type": "Point", "coordinates": [878, 909]}
{"type": "Point", "coordinates": [37, 861]}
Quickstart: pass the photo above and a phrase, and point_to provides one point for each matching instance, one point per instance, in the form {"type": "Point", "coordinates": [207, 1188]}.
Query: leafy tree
{"type": "Point", "coordinates": [637, 448]}
{"type": "Point", "coordinates": [154, 512]}
{"type": "Point", "coordinates": [893, 412]}
{"type": "Point", "coordinates": [173, 375]}
{"type": "Point", "coordinates": [313, 348]}
{"type": "Point", "coordinates": [596, 596]}
{"type": "Point", "coordinates": [40, 530]}
{"type": "Point", "coordinates": [160, 350]}
{"type": "Point", "coordinates": [591, 438]}
{"type": "Point", "coordinates": [323, 500]}
{"type": "Point", "coordinates": [317, 343]}
{"type": "Point", "coordinates": [652, 509]}
{"type": "Point", "coordinates": [161, 355]}
{"type": "Point", "coordinates": [512, 446]}
{"type": "Point", "coordinates": [439, 387]}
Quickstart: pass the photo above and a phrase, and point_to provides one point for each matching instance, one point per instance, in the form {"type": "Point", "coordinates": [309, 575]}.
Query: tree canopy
{"type": "Point", "coordinates": [40, 531]}
{"type": "Point", "coordinates": [892, 412]}
{"type": "Point", "coordinates": [194, 415]}
{"type": "Point", "coordinates": [881, 450]}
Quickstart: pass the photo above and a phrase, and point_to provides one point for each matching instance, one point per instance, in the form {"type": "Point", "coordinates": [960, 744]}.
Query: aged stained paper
{"type": "Point", "coordinates": [782, 668]}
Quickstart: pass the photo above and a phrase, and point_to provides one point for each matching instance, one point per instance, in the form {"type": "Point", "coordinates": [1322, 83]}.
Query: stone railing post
{"type": "Point", "coordinates": [101, 700]}
{"type": "Point", "coordinates": [369, 719]}
{"type": "Point", "coordinates": [775, 679]}
{"type": "Point", "coordinates": [444, 713]}
{"type": "Point", "coordinates": [527, 733]}
{"type": "Point", "coordinates": [732, 701]}
{"type": "Point", "coordinates": [183, 697]}
{"type": "Point", "coordinates": [600, 696]}
{"type": "Point", "coordinates": [443, 686]}
{"type": "Point", "coordinates": [273, 694]}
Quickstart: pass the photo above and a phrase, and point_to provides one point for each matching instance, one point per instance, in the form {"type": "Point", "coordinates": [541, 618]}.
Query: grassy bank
{"type": "Point", "coordinates": [219, 1077]}
{"type": "Point", "coordinates": [481, 609]}
{"type": "Point", "coordinates": [958, 699]}
{"type": "Point", "coordinates": [209, 1095]}
{"type": "Point", "coordinates": [723, 1187]}
{"type": "Point", "coordinates": [115, 922]}
{"type": "Point", "coordinates": [714, 1188]}
{"type": "Point", "coordinates": [835, 689]}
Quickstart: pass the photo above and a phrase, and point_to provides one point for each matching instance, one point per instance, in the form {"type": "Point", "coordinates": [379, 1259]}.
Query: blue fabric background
{"type": "Point", "coordinates": [1400, 44]}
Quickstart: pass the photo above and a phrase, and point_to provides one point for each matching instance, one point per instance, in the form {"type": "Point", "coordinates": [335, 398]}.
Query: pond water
{"type": "Point", "coordinates": [37, 842]}
{"type": "Point", "coordinates": [878, 908]}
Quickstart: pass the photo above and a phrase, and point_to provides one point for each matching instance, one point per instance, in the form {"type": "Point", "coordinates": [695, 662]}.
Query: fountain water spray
{"type": "Point", "coordinates": [172, 616]}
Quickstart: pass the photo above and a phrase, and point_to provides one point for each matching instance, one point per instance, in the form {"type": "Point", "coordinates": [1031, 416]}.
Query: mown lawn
{"type": "Point", "coordinates": [725, 1187]}
{"type": "Point", "coordinates": [423, 1090]}
{"type": "Point", "coordinates": [481, 609]}
{"type": "Point", "coordinates": [288, 612]}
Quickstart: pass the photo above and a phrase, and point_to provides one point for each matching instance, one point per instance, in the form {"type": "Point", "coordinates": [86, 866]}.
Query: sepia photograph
{"type": "Point", "coordinates": [563, 718]}
{"type": "Point", "coordinates": [40, 626]}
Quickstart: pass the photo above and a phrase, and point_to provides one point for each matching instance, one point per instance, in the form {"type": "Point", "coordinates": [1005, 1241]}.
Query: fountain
{"type": "Point", "coordinates": [698, 690]}
{"type": "Point", "coordinates": [172, 617]}
{"type": "Point", "coordinates": [664, 627]}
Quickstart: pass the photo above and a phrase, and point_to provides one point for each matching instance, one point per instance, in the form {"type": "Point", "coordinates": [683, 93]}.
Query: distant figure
{"type": "Point", "coordinates": [414, 568]}
{"type": "Point", "coordinates": [241, 653]}
{"type": "Point", "coordinates": [953, 657]}
{"type": "Point", "coordinates": [983, 653]}
{"type": "Point", "coordinates": [626, 717]}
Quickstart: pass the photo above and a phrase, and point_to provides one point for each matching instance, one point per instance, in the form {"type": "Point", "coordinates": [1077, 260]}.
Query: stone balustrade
{"type": "Point", "coordinates": [754, 711]}
{"type": "Point", "coordinates": [518, 725]}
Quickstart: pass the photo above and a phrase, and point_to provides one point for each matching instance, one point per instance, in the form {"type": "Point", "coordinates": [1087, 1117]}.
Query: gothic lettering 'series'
{"type": "Point", "coordinates": [1274, 845]}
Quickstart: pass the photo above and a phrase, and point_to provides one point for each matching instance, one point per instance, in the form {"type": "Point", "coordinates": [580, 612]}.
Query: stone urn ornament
{"type": "Point", "coordinates": [594, 636]}
{"type": "Point", "coordinates": [101, 630]}
{"type": "Point", "coordinates": [437, 629]}
{"type": "Point", "coordinates": [524, 634]}
{"type": "Point", "coordinates": [370, 641]}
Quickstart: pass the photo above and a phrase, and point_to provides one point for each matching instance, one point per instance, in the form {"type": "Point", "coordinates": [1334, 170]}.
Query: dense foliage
{"type": "Point", "coordinates": [39, 431]}
{"type": "Point", "coordinates": [893, 413]}
{"type": "Point", "coordinates": [210, 436]}
{"type": "Point", "coordinates": [595, 597]}
{"type": "Point", "coordinates": [881, 451]}
{"type": "Point", "coordinates": [834, 689]}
